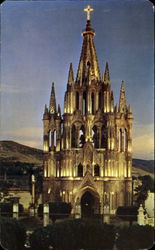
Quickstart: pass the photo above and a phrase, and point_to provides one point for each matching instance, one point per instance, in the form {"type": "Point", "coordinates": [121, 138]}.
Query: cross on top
{"type": "Point", "coordinates": [88, 10]}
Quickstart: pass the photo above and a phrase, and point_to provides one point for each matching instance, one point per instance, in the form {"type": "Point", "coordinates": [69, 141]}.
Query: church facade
{"type": "Point", "coordinates": [88, 148]}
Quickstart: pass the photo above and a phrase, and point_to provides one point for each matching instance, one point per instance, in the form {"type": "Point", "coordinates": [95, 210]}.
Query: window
{"type": "Point", "coordinates": [100, 100]}
{"type": "Point", "coordinates": [84, 103]}
{"type": "Point", "coordinates": [92, 103]}
{"type": "Point", "coordinates": [125, 140]}
{"type": "Point", "coordinates": [96, 170]}
{"type": "Point", "coordinates": [104, 138]}
{"type": "Point", "coordinates": [88, 64]}
{"type": "Point", "coordinates": [77, 100]}
{"type": "Point", "coordinates": [50, 138]}
{"type": "Point", "coordinates": [120, 141]}
{"type": "Point", "coordinates": [73, 137]}
{"type": "Point", "coordinates": [54, 138]}
{"type": "Point", "coordinates": [80, 170]}
{"type": "Point", "coordinates": [95, 137]}
{"type": "Point", "coordinates": [82, 136]}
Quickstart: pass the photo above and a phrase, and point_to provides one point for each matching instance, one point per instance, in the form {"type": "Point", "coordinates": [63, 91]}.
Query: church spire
{"type": "Point", "coordinates": [70, 75]}
{"type": "Point", "coordinates": [122, 100]}
{"type": "Point", "coordinates": [106, 74]}
{"type": "Point", "coordinates": [52, 107]}
{"type": "Point", "coordinates": [88, 69]}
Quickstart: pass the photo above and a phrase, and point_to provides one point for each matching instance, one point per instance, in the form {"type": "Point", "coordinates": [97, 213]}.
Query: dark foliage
{"type": "Point", "coordinates": [57, 210]}
{"type": "Point", "coordinates": [74, 234]}
{"type": "Point", "coordinates": [127, 213]}
{"type": "Point", "coordinates": [12, 234]}
{"type": "Point", "coordinates": [135, 237]}
{"type": "Point", "coordinates": [142, 190]}
{"type": "Point", "coordinates": [6, 209]}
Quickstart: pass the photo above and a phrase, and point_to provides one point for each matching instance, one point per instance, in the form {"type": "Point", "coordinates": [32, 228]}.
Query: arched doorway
{"type": "Point", "coordinates": [89, 205]}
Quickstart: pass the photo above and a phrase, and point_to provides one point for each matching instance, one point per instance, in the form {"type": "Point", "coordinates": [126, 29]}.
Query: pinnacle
{"type": "Point", "coordinates": [52, 106]}
{"type": "Point", "coordinates": [59, 109]}
{"type": "Point", "coordinates": [122, 86]}
{"type": "Point", "coordinates": [70, 75]}
{"type": "Point", "coordinates": [106, 74]}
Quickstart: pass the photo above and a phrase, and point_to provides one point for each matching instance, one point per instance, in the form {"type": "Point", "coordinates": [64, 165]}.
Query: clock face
{"type": "Point", "coordinates": [52, 110]}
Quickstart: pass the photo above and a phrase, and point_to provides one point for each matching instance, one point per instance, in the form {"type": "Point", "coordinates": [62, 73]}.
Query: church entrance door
{"type": "Point", "coordinates": [87, 204]}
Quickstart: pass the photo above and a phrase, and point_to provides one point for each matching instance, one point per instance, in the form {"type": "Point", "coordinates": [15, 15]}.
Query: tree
{"type": "Point", "coordinates": [57, 210]}
{"type": "Point", "coordinates": [12, 234]}
{"type": "Point", "coordinates": [135, 237]}
{"type": "Point", "coordinates": [127, 213]}
{"type": "Point", "coordinates": [142, 190]}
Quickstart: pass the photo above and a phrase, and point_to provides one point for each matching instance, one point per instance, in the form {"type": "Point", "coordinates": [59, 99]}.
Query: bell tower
{"type": "Point", "coordinates": [88, 148]}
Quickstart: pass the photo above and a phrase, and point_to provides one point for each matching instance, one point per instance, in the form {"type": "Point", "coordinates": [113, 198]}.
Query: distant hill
{"type": "Point", "coordinates": [14, 153]}
{"type": "Point", "coordinates": [11, 151]}
{"type": "Point", "coordinates": [147, 165]}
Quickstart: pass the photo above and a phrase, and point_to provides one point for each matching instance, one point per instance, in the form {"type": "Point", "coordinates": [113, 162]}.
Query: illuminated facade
{"type": "Point", "coordinates": [87, 150]}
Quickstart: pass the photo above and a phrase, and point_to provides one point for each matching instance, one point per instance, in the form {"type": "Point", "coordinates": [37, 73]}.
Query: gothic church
{"type": "Point", "coordinates": [88, 148]}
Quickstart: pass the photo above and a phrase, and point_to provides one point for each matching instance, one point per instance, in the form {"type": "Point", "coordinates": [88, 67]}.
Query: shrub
{"type": "Point", "coordinates": [57, 210]}
{"type": "Point", "coordinates": [74, 234]}
{"type": "Point", "coordinates": [39, 239]}
{"type": "Point", "coordinates": [135, 237]}
{"type": "Point", "coordinates": [127, 213]}
{"type": "Point", "coordinates": [12, 234]}
{"type": "Point", "coordinates": [7, 209]}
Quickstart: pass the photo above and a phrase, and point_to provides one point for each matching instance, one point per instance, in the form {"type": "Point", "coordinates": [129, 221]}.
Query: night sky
{"type": "Point", "coordinates": [39, 39]}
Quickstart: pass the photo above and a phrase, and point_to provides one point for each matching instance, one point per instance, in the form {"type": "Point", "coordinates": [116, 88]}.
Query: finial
{"type": "Point", "coordinates": [88, 10]}
{"type": "Point", "coordinates": [53, 87]}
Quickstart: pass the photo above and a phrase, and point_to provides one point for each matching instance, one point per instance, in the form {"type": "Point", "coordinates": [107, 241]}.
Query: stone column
{"type": "Point", "coordinates": [32, 210]}
{"type": "Point", "coordinates": [45, 214]}
{"type": "Point", "coordinates": [140, 216]}
{"type": "Point", "coordinates": [106, 213]}
{"type": "Point", "coordinates": [33, 189]}
{"type": "Point", "coordinates": [15, 209]}
{"type": "Point", "coordinates": [78, 210]}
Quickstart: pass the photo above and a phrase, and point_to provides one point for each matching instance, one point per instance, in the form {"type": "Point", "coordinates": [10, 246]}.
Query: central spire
{"type": "Point", "coordinates": [88, 69]}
